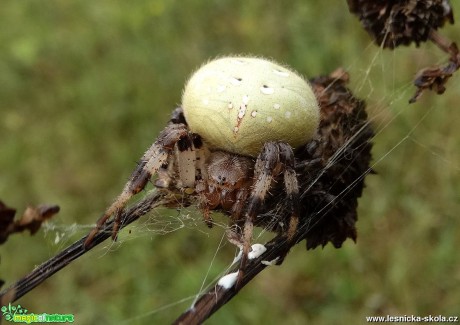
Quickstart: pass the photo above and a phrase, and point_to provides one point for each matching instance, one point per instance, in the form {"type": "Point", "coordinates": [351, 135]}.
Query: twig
{"type": "Point", "coordinates": [206, 305]}
{"type": "Point", "coordinates": [77, 249]}
{"type": "Point", "coordinates": [435, 78]}
{"type": "Point", "coordinates": [443, 43]}
{"type": "Point", "coordinates": [217, 296]}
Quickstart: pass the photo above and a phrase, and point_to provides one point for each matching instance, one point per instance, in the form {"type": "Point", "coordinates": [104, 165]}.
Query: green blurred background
{"type": "Point", "coordinates": [85, 87]}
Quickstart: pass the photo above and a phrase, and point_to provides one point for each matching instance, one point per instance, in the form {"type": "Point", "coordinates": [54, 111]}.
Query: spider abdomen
{"type": "Point", "coordinates": [238, 103]}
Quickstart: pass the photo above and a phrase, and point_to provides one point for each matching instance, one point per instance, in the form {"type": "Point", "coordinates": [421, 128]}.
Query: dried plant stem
{"type": "Point", "coordinates": [442, 42]}
{"type": "Point", "coordinates": [77, 249]}
{"type": "Point", "coordinates": [204, 307]}
{"type": "Point", "coordinates": [209, 302]}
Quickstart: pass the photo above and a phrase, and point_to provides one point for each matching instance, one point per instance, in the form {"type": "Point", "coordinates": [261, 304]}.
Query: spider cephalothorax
{"type": "Point", "coordinates": [231, 142]}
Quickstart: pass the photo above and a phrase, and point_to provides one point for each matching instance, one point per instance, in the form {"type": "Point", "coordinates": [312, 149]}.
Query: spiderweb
{"type": "Point", "coordinates": [418, 164]}
{"type": "Point", "coordinates": [381, 120]}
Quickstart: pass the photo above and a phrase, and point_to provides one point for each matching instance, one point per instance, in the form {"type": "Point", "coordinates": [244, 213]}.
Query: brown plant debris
{"type": "Point", "coordinates": [344, 147]}
{"type": "Point", "coordinates": [31, 219]}
{"type": "Point", "coordinates": [435, 78]}
{"type": "Point", "coordinates": [392, 23]}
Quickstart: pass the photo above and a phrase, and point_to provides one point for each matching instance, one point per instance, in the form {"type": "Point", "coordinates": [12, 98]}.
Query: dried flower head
{"type": "Point", "coordinates": [394, 23]}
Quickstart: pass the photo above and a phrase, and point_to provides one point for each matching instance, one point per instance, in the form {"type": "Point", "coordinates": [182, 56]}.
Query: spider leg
{"type": "Point", "coordinates": [266, 168]}
{"type": "Point", "coordinates": [165, 173]}
{"type": "Point", "coordinates": [149, 164]}
{"type": "Point", "coordinates": [208, 199]}
{"type": "Point", "coordinates": [275, 158]}
{"type": "Point", "coordinates": [233, 231]}
{"type": "Point", "coordinates": [167, 170]}
{"type": "Point", "coordinates": [292, 187]}
{"type": "Point", "coordinates": [238, 206]}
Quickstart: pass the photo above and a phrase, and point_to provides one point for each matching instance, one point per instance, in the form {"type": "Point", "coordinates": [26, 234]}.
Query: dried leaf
{"type": "Point", "coordinates": [394, 23]}
{"type": "Point", "coordinates": [6, 221]}
{"type": "Point", "coordinates": [435, 78]}
{"type": "Point", "coordinates": [34, 216]}
{"type": "Point", "coordinates": [31, 220]}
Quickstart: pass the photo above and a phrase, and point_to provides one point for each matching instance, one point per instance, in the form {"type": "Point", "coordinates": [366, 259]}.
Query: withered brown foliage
{"type": "Point", "coordinates": [392, 23]}
{"type": "Point", "coordinates": [435, 78]}
{"type": "Point", "coordinates": [344, 146]}
{"type": "Point", "coordinates": [31, 220]}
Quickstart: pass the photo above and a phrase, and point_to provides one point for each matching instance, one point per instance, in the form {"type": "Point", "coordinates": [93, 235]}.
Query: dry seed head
{"type": "Point", "coordinates": [239, 103]}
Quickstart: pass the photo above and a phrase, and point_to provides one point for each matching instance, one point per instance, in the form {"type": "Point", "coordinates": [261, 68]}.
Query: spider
{"type": "Point", "coordinates": [229, 144]}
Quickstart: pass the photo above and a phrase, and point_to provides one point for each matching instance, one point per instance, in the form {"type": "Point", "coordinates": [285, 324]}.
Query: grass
{"type": "Point", "coordinates": [87, 86]}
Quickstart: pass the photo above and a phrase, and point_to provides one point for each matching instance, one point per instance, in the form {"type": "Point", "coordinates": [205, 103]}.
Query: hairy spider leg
{"type": "Point", "coordinates": [190, 158]}
{"type": "Point", "coordinates": [292, 187]}
{"type": "Point", "coordinates": [238, 207]}
{"type": "Point", "coordinates": [149, 164]}
{"type": "Point", "coordinates": [275, 158]}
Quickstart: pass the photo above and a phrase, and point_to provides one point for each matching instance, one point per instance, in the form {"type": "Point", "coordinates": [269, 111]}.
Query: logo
{"type": "Point", "coordinates": [18, 314]}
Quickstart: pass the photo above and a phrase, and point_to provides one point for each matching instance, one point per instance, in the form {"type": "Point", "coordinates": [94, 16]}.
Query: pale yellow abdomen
{"type": "Point", "coordinates": [237, 104]}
